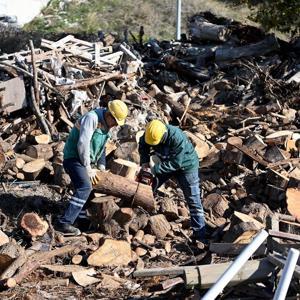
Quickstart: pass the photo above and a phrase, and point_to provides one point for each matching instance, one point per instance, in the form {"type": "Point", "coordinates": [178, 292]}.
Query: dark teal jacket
{"type": "Point", "coordinates": [175, 151]}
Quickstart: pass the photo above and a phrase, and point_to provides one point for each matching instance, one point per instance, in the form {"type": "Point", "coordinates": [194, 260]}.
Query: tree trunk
{"type": "Point", "coordinates": [267, 45]}
{"type": "Point", "coordinates": [204, 31]}
{"type": "Point", "coordinates": [32, 169]}
{"type": "Point", "coordinates": [135, 193]}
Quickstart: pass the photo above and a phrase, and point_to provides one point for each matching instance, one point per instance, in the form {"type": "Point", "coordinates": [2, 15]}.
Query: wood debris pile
{"type": "Point", "coordinates": [235, 92]}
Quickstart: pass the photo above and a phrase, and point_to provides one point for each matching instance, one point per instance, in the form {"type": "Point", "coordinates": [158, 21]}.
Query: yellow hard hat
{"type": "Point", "coordinates": [119, 111]}
{"type": "Point", "coordinates": [154, 132]}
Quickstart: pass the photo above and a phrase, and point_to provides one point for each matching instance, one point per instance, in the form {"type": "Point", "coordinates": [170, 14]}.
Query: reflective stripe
{"type": "Point", "coordinates": [76, 204]}
{"type": "Point", "coordinates": [75, 199]}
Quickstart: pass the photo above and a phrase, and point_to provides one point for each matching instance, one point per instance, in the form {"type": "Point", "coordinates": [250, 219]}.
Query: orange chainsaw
{"type": "Point", "coordinates": [145, 177]}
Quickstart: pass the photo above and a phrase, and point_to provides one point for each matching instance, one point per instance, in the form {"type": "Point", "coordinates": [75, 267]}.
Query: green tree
{"type": "Point", "coordinates": [282, 15]}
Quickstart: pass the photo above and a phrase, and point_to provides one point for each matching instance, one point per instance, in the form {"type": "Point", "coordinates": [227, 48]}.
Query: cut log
{"type": "Point", "coordinates": [140, 251]}
{"type": "Point", "coordinates": [34, 225]}
{"type": "Point", "coordinates": [111, 253]}
{"type": "Point", "coordinates": [217, 204]}
{"type": "Point", "coordinates": [38, 138]}
{"type": "Point", "coordinates": [148, 239]}
{"type": "Point", "coordinates": [201, 147]}
{"type": "Point", "coordinates": [267, 45]}
{"type": "Point", "coordinates": [205, 31]}
{"type": "Point", "coordinates": [139, 235]}
{"type": "Point", "coordinates": [247, 218]}
{"type": "Point", "coordinates": [135, 193]}
{"type": "Point", "coordinates": [169, 209]}
{"type": "Point", "coordinates": [140, 220]}
{"type": "Point", "coordinates": [292, 200]}
{"type": "Point", "coordinates": [124, 215]}
{"type": "Point", "coordinates": [124, 168]}
{"type": "Point", "coordinates": [160, 226]}
{"type": "Point", "coordinates": [20, 163]}
{"type": "Point", "coordinates": [77, 259]}
{"type": "Point", "coordinates": [64, 268]}
{"type": "Point", "coordinates": [32, 169]}
{"type": "Point", "coordinates": [241, 233]}
{"type": "Point", "coordinates": [3, 238]}
{"type": "Point", "coordinates": [40, 151]}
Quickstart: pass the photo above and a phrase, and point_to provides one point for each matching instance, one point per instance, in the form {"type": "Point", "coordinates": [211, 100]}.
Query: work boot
{"type": "Point", "coordinates": [67, 229]}
{"type": "Point", "coordinates": [83, 224]}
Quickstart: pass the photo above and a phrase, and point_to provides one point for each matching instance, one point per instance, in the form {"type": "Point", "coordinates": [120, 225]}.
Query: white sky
{"type": "Point", "coordinates": [25, 10]}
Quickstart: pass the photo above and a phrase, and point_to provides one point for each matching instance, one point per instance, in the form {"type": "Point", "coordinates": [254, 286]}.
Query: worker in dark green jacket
{"type": "Point", "coordinates": [178, 158]}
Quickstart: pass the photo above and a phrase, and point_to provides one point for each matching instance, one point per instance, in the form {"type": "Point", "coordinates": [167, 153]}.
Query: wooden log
{"type": "Point", "coordinates": [41, 139]}
{"type": "Point", "coordinates": [20, 163]}
{"type": "Point", "coordinates": [135, 193]}
{"type": "Point", "coordinates": [82, 83]}
{"type": "Point", "coordinates": [40, 151]}
{"type": "Point", "coordinates": [176, 107]}
{"type": "Point", "coordinates": [124, 215]}
{"type": "Point", "coordinates": [124, 168]}
{"type": "Point", "coordinates": [32, 169]}
{"type": "Point", "coordinates": [140, 220]}
{"type": "Point", "coordinates": [35, 261]}
{"type": "Point", "coordinates": [205, 31]}
{"type": "Point", "coordinates": [241, 233]}
{"type": "Point", "coordinates": [263, 47]}
{"type": "Point", "coordinates": [111, 253]}
{"type": "Point", "coordinates": [169, 209]}
{"type": "Point", "coordinates": [77, 259]}
{"type": "Point", "coordinates": [292, 200]}
{"type": "Point", "coordinates": [159, 226]}
{"type": "Point", "coordinates": [217, 204]}
{"type": "Point", "coordinates": [34, 225]}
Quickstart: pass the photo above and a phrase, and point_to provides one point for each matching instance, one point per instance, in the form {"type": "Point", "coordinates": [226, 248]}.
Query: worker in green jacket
{"type": "Point", "coordinates": [84, 155]}
{"type": "Point", "coordinates": [178, 158]}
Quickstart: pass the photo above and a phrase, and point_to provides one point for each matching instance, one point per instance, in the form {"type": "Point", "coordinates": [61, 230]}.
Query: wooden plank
{"type": "Point", "coordinates": [205, 276]}
{"type": "Point", "coordinates": [284, 235]}
{"type": "Point", "coordinates": [231, 249]}
{"type": "Point", "coordinates": [279, 261]}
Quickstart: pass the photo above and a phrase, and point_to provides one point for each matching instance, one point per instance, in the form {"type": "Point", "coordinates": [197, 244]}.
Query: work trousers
{"type": "Point", "coordinates": [190, 184]}
{"type": "Point", "coordinates": [83, 189]}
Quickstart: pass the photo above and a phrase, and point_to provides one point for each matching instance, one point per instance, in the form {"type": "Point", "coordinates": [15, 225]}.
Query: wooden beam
{"type": "Point", "coordinates": [284, 235]}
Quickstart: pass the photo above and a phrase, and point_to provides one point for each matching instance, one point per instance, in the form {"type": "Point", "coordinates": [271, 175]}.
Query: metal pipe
{"type": "Point", "coordinates": [178, 20]}
{"type": "Point", "coordinates": [233, 269]}
{"type": "Point", "coordinates": [287, 275]}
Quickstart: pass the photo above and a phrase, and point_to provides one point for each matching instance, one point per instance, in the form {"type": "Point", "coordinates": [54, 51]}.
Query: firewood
{"type": "Point", "coordinates": [123, 215]}
{"type": "Point", "coordinates": [217, 204]}
{"type": "Point", "coordinates": [169, 209]}
{"type": "Point", "coordinates": [77, 259]}
{"type": "Point", "coordinates": [111, 253]}
{"type": "Point", "coordinates": [241, 233]}
{"type": "Point", "coordinates": [85, 278]}
{"type": "Point", "coordinates": [140, 220]}
{"type": "Point", "coordinates": [148, 239]}
{"type": "Point", "coordinates": [20, 163]}
{"type": "Point", "coordinates": [32, 169]}
{"type": "Point", "coordinates": [64, 268]}
{"type": "Point", "coordinates": [40, 151]}
{"type": "Point", "coordinates": [135, 193]}
{"type": "Point", "coordinates": [205, 31]}
{"type": "Point", "coordinates": [159, 226]}
{"type": "Point", "coordinates": [34, 225]}
{"type": "Point", "coordinates": [124, 168]}
{"type": "Point", "coordinates": [292, 200]}
{"type": "Point", "coordinates": [247, 218]}
{"type": "Point", "coordinates": [201, 147]}
{"type": "Point", "coordinates": [265, 46]}
{"type": "Point", "coordinates": [3, 238]}
{"type": "Point", "coordinates": [139, 235]}
{"type": "Point", "coordinates": [140, 251]}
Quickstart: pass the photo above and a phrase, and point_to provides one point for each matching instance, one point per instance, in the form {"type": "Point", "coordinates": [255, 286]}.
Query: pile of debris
{"type": "Point", "coordinates": [235, 92]}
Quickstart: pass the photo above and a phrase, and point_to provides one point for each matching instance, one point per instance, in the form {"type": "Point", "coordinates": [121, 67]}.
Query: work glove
{"type": "Point", "coordinates": [101, 168]}
{"type": "Point", "coordinates": [94, 177]}
{"type": "Point", "coordinates": [9, 155]}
